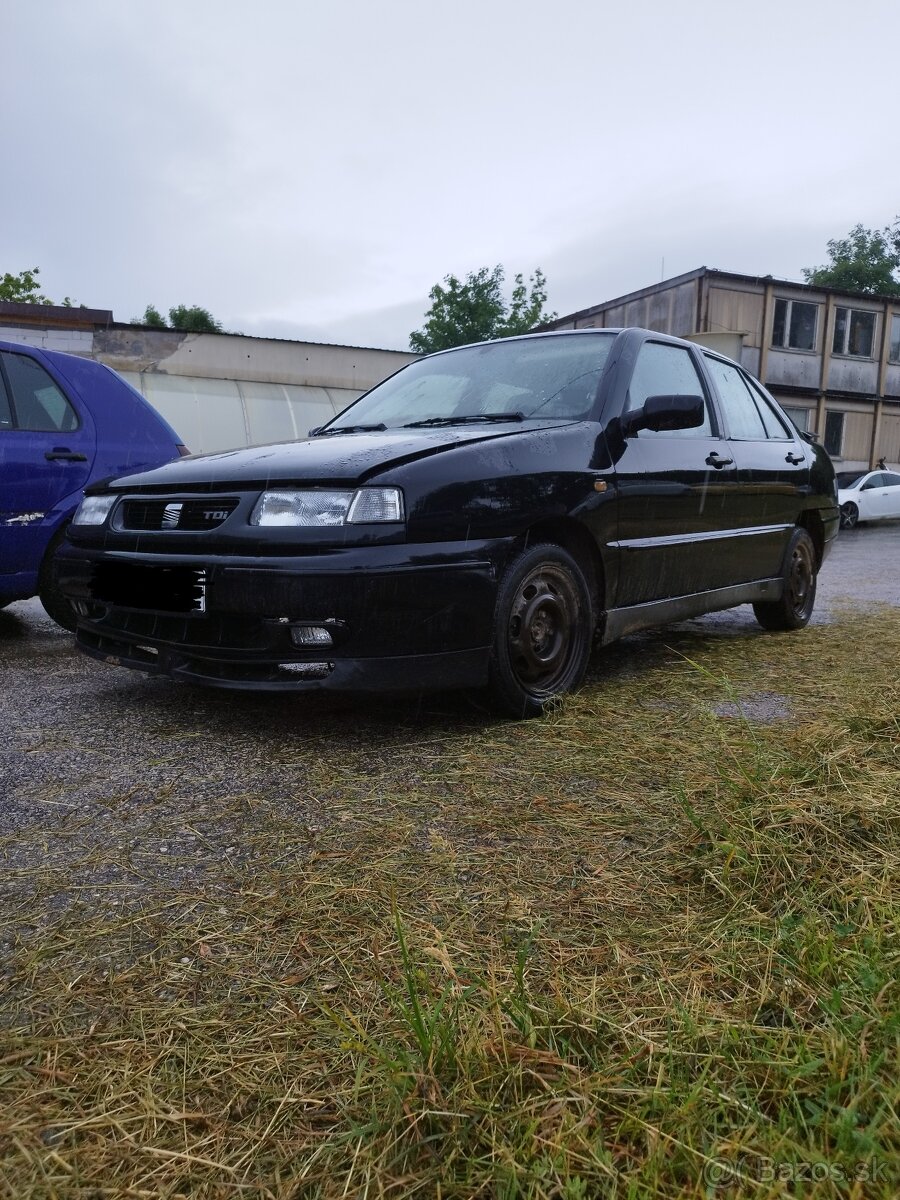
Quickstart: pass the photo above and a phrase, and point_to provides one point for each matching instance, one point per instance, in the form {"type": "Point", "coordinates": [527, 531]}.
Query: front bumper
{"type": "Point", "coordinates": [398, 617]}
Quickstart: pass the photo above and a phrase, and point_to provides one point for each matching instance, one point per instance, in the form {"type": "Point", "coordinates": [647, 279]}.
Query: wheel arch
{"type": "Point", "coordinates": [811, 521]}
{"type": "Point", "coordinates": [575, 538]}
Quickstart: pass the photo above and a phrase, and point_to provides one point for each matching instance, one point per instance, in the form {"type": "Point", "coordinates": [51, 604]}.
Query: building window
{"type": "Point", "coordinates": [834, 433]}
{"type": "Point", "coordinates": [800, 417]}
{"type": "Point", "coordinates": [854, 332]}
{"type": "Point", "coordinates": [894, 353]}
{"type": "Point", "coordinates": [794, 325]}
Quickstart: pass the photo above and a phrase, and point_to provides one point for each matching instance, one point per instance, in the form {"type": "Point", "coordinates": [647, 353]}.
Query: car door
{"type": "Point", "coordinates": [47, 447]}
{"type": "Point", "coordinates": [882, 496]}
{"type": "Point", "coordinates": [772, 471]}
{"type": "Point", "coordinates": [674, 488]}
{"type": "Point", "coordinates": [892, 494]}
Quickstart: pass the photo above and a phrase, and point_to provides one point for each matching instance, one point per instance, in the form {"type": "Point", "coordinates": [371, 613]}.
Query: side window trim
{"type": "Point", "coordinates": [765, 407]}
{"type": "Point", "coordinates": [6, 393]}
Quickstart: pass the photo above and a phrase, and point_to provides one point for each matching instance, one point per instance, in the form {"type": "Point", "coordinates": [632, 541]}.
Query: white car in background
{"type": "Point", "coordinates": [872, 496]}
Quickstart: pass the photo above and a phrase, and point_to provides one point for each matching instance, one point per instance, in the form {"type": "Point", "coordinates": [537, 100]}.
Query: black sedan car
{"type": "Point", "coordinates": [480, 519]}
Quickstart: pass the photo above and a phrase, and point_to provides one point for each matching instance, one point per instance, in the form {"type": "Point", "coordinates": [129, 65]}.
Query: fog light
{"type": "Point", "coordinates": [311, 635]}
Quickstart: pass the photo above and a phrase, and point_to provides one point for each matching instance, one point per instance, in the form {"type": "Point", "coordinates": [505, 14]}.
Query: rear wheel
{"type": "Point", "coordinates": [795, 607]}
{"type": "Point", "coordinates": [849, 515]}
{"type": "Point", "coordinates": [542, 631]}
{"type": "Point", "coordinates": [55, 603]}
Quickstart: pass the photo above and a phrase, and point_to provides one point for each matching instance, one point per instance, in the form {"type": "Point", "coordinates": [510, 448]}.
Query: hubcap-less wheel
{"type": "Point", "coordinates": [849, 515]}
{"type": "Point", "coordinates": [794, 608]}
{"type": "Point", "coordinates": [800, 581]}
{"type": "Point", "coordinates": [540, 628]}
{"type": "Point", "coordinates": [543, 628]}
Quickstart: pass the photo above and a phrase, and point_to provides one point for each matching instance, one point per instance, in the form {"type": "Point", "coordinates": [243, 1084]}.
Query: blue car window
{"type": "Point", "coordinates": [39, 404]}
{"type": "Point", "coordinates": [5, 410]}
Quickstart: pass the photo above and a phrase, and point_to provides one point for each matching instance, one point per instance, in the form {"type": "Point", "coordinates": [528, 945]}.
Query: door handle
{"type": "Point", "coordinates": [60, 454]}
{"type": "Point", "coordinates": [715, 460]}
{"type": "Point", "coordinates": [793, 458]}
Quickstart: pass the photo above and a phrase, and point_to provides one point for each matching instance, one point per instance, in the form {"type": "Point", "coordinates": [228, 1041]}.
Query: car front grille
{"type": "Point", "coordinates": [166, 514]}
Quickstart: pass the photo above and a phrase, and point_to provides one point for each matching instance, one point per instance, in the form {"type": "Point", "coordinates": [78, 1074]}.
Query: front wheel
{"type": "Point", "coordinates": [795, 607]}
{"type": "Point", "coordinates": [849, 515]}
{"type": "Point", "coordinates": [55, 603]}
{"type": "Point", "coordinates": [543, 627]}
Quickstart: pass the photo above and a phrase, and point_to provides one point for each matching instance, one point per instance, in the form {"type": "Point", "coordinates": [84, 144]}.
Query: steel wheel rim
{"type": "Point", "coordinates": [543, 630]}
{"type": "Point", "coordinates": [801, 581]}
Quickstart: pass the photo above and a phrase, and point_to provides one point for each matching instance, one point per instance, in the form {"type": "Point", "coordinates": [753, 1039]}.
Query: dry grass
{"type": "Point", "coordinates": [580, 957]}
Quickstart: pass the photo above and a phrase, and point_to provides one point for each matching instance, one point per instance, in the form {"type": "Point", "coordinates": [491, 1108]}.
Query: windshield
{"type": "Point", "coordinates": [545, 378]}
{"type": "Point", "coordinates": [849, 479]}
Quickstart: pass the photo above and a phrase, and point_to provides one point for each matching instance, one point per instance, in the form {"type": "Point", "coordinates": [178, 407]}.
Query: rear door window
{"type": "Point", "coordinates": [38, 403]}
{"type": "Point", "coordinates": [747, 418]}
{"type": "Point", "coordinates": [771, 418]}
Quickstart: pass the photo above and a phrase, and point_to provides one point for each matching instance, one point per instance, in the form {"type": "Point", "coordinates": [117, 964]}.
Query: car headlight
{"type": "Point", "coordinates": [318, 507]}
{"type": "Point", "coordinates": [93, 510]}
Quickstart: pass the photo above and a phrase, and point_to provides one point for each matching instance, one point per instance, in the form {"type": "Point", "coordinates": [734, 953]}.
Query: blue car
{"type": "Point", "coordinates": [65, 422]}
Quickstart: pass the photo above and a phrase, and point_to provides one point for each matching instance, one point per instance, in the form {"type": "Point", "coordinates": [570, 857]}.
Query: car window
{"type": "Point", "coordinates": [663, 370]}
{"type": "Point", "coordinates": [741, 414]}
{"type": "Point", "coordinates": [5, 410]}
{"type": "Point", "coordinates": [849, 479]}
{"type": "Point", "coordinates": [874, 481]}
{"type": "Point", "coordinates": [771, 418]}
{"type": "Point", "coordinates": [39, 404]}
{"type": "Point", "coordinates": [891, 480]}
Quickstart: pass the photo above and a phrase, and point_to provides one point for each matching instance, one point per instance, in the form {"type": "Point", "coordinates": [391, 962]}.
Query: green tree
{"type": "Point", "coordinates": [194, 319]}
{"type": "Point", "coordinates": [23, 288]}
{"type": "Point", "coordinates": [866, 260]}
{"type": "Point", "coordinates": [152, 317]}
{"type": "Point", "coordinates": [477, 310]}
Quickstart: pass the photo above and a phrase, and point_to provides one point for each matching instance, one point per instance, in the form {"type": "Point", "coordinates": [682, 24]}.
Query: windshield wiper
{"type": "Point", "coordinates": [471, 419]}
{"type": "Point", "coordinates": [347, 429]}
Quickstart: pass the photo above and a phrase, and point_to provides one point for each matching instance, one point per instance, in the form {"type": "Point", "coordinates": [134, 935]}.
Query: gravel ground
{"type": "Point", "coordinates": [113, 785]}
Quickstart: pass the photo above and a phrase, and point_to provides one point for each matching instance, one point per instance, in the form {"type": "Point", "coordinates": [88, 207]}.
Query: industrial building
{"type": "Point", "coordinates": [219, 391]}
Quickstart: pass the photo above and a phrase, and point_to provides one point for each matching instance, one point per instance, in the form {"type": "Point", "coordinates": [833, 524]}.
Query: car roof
{"type": "Point", "coordinates": [635, 330]}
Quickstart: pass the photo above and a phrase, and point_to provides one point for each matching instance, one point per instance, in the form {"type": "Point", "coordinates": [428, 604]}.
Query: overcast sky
{"type": "Point", "coordinates": [311, 169]}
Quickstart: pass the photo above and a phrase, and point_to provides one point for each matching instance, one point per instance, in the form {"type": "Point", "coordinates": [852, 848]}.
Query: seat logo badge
{"type": "Point", "coordinates": [171, 516]}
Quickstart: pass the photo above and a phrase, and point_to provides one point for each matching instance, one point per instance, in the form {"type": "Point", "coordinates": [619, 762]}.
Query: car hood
{"type": "Point", "coordinates": [349, 458]}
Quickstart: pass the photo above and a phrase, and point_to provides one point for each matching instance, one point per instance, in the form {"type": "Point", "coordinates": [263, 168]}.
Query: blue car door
{"type": "Point", "coordinates": [47, 448]}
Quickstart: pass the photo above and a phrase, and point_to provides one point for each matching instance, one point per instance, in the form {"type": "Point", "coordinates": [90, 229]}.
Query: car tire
{"type": "Point", "coordinates": [849, 515]}
{"type": "Point", "coordinates": [795, 607]}
{"type": "Point", "coordinates": [543, 629]}
{"type": "Point", "coordinates": [54, 602]}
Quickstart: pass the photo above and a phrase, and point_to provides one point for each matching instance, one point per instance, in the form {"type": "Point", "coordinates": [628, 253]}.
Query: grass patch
{"type": "Point", "coordinates": [636, 949]}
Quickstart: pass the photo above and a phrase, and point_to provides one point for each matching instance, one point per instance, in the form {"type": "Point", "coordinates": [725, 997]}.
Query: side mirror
{"type": "Point", "coordinates": [665, 413]}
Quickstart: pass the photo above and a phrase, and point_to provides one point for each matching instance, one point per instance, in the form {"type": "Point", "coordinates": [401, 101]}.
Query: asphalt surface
{"type": "Point", "coordinates": [112, 782]}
